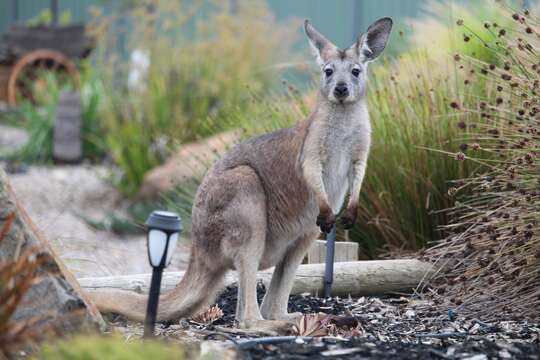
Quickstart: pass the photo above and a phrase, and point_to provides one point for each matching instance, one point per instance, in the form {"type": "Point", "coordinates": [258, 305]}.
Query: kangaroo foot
{"type": "Point", "coordinates": [270, 327]}
{"type": "Point", "coordinates": [283, 316]}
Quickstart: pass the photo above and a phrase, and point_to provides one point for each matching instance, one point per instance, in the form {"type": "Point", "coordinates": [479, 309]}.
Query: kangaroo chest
{"type": "Point", "coordinates": [336, 164]}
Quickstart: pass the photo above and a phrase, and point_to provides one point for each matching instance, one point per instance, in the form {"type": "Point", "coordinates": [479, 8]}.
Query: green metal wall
{"type": "Point", "coordinates": [339, 19]}
{"type": "Point", "coordinates": [28, 9]}
{"type": "Point", "coordinates": [343, 20]}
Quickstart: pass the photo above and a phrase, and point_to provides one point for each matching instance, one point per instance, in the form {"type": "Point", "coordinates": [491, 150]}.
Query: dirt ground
{"type": "Point", "coordinates": [57, 196]}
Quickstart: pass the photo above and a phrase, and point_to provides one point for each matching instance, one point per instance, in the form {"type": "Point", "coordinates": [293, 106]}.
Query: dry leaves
{"type": "Point", "coordinates": [312, 325]}
{"type": "Point", "coordinates": [208, 316]}
{"type": "Point", "coordinates": [324, 325]}
{"type": "Point", "coordinates": [16, 278]}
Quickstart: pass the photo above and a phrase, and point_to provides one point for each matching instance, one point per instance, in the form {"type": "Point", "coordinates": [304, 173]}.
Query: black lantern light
{"type": "Point", "coordinates": [163, 229]}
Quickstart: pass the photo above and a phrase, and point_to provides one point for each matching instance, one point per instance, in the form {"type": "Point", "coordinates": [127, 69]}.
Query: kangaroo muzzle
{"type": "Point", "coordinates": [341, 92]}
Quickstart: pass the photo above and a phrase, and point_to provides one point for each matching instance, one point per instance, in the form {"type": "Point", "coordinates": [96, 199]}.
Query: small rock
{"type": "Point", "coordinates": [11, 139]}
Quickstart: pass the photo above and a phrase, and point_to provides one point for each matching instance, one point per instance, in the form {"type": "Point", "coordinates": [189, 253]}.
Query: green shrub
{"type": "Point", "coordinates": [38, 118]}
{"type": "Point", "coordinates": [197, 69]}
{"type": "Point", "coordinates": [114, 348]}
{"type": "Point", "coordinates": [92, 131]}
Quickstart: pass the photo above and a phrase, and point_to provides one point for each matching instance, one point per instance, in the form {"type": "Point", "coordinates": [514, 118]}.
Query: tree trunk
{"type": "Point", "coordinates": [356, 278]}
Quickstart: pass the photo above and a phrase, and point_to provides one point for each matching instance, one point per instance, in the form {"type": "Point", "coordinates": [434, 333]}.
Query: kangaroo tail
{"type": "Point", "coordinates": [198, 287]}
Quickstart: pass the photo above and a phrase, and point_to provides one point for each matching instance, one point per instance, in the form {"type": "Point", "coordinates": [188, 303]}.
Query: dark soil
{"type": "Point", "coordinates": [398, 327]}
{"type": "Point", "coordinates": [393, 328]}
{"type": "Point", "coordinates": [358, 348]}
{"type": "Point", "coordinates": [297, 303]}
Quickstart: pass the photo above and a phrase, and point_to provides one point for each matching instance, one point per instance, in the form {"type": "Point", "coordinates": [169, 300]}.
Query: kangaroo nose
{"type": "Point", "coordinates": [341, 91]}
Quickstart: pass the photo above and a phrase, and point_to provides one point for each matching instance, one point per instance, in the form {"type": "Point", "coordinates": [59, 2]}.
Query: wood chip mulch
{"type": "Point", "coordinates": [398, 327]}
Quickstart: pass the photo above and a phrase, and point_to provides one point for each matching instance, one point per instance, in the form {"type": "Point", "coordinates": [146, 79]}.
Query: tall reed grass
{"type": "Point", "coordinates": [406, 184]}
{"type": "Point", "coordinates": [489, 262]}
{"type": "Point", "coordinates": [197, 67]}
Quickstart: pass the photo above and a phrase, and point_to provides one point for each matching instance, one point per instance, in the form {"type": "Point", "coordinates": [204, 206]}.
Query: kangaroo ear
{"type": "Point", "coordinates": [371, 44]}
{"type": "Point", "coordinates": [319, 44]}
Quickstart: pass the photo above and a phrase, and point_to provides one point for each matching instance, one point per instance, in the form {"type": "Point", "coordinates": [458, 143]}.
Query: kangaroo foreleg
{"type": "Point", "coordinates": [356, 177]}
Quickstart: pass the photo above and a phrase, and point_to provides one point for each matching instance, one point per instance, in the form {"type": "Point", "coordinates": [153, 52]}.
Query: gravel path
{"type": "Point", "coordinates": [56, 196]}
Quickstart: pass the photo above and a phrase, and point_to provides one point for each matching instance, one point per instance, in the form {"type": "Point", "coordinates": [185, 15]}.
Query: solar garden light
{"type": "Point", "coordinates": [163, 229]}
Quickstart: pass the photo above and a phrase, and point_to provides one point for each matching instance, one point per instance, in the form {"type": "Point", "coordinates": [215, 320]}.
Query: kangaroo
{"type": "Point", "coordinates": [266, 201]}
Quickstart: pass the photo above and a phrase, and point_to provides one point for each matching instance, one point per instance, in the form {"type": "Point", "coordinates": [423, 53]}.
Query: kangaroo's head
{"type": "Point", "coordinates": [344, 72]}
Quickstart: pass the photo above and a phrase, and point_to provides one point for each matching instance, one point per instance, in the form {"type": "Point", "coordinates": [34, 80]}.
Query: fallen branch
{"type": "Point", "coordinates": [356, 278]}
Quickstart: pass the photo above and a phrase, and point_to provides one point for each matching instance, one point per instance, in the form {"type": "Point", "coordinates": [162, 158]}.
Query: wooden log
{"type": "Point", "coordinates": [356, 278]}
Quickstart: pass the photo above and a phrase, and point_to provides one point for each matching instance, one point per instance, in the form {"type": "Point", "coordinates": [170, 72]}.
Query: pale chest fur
{"type": "Point", "coordinates": [341, 136]}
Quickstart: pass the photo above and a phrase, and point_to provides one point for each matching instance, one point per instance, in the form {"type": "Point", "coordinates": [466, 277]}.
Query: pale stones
{"type": "Point", "coordinates": [56, 297]}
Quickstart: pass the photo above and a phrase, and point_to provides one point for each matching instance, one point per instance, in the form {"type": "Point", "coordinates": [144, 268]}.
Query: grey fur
{"type": "Point", "coordinates": [259, 206]}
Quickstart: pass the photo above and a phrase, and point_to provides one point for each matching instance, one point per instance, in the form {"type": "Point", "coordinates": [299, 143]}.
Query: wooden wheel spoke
{"type": "Point", "coordinates": [30, 68]}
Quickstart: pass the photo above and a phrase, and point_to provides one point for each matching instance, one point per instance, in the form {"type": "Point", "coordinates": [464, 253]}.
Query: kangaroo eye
{"type": "Point", "coordinates": [328, 72]}
{"type": "Point", "coordinates": [355, 72]}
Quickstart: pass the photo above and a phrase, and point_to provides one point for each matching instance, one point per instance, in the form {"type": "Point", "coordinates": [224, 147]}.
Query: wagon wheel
{"type": "Point", "coordinates": [27, 74]}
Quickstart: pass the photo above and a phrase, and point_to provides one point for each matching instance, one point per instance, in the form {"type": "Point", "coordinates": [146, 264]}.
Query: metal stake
{"type": "Point", "coordinates": [329, 266]}
{"type": "Point", "coordinates": [153, 300]}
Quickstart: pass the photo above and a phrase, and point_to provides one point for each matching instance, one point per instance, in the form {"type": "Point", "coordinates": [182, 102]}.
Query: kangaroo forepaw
{"type": "Point", "coordinates": [326, 220]}
{"type": "Point", "coordinates": [348, 218]}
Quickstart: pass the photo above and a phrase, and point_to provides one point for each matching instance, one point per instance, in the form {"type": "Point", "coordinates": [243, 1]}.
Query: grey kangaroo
{"type": "Point", "coordinates": [266, 200]}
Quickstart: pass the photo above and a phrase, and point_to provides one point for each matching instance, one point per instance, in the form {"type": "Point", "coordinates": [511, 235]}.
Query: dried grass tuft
{"type": "Point", "coordinates": [490, 262]}
{"type": "Point", "coordinates": [16, 278]}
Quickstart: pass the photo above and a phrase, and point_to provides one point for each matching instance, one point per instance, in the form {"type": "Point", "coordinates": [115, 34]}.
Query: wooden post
{"type": "Point", "coordinates": [67, 145]}
{"type": "Point", "coordinates": [344, 251]}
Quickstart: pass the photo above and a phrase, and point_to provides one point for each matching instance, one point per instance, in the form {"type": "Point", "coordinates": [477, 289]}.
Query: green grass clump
{"type": "Point", "coordinates": [114, 348]}
{"type": "Point", "coordinates": [198, 68]}
{"type": "Point", "coordinates": [38, 116]}
{"type": "Point", "coordinates": [406, 184]}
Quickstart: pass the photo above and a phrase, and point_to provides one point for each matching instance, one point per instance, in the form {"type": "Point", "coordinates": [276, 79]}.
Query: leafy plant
{"type": "Point", "coordinates": [113, 347]}
{"type": "Point", "coordinates": [38, 118]}
{"type": "Point", "coordinates": [16, 278]}
{"type": "Point", "coordinates": [92, 131]}
{"type": "Point", "coordinates": [164, 98]}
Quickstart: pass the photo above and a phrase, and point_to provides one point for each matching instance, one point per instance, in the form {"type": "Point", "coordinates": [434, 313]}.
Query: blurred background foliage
{"type": "Point", "coordinates": [205, 74]}
{"type": "Point", "coordinates": [165, 73]}
{"type": "Point", "coordinates": [186, 80]}
{"type": "Point", "coordinates": [113, 347]}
